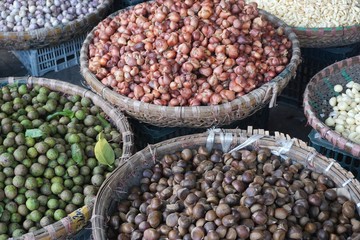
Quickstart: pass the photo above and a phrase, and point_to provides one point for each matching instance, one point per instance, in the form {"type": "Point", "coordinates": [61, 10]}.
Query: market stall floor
{"type": "Point", "coordinates": [283, 118]}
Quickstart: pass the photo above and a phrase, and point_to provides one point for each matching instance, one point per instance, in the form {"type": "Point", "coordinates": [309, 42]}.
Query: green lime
{"type": "Point", "coordinates": [18, 232]}
{"type": "Point", "coordinates": [50, 212]}
{"type": "Point", "coordinates": [46, 189]}
{"type": "Point", "coordinates": [37, 169]}
{"type": "Point", "coordinates": [35, 216]}
{"type": "Point", "coordinates": [11, 207]}
{"type": "Point", "coordinates": [53, 203]}
{"type": "Point", "coordinates": [69, 183]}
{"type": "Point", "coordinates": [10, 191]}
{"type": "Point", "coordinates": [60, 171]}
{"type": "Point", "coordinates": [57, 188]}
{"type": "Point", "coordinates": [32, 204]}
{"type": "Point", "coordinates": [66, 195]}
{"type": "Point", "coordinates": [45, 221]}
{"type": "Point", "coordinates": [73, 171]}
{"type": "Point", "coordinates": [59, 214]}
{"type": "Point", "coordinates": [31, 183]}
{"type": "Point", "coordinates": [49, 173]}
{"type": "Point", "coordinates": [32, 153]}
{"type": "Point", "coordinates": [79, 180]}
{"type": "Point", "coordinates": [74, 138]}
{"type": "Point", "coordinates": [23, 210]}
{"type": "Point", "coordinates": [18, 181]}
{"type": "Point", "coordinates": [80, 114]}
{"type": "Point", "coordinates": [15, 218]}
{"type": "Point", "coordinates": [20, 199]}
{"type": "Point", "coordinates": [43, 200]}
{"type": "Point", "coordinates": [52, 154]}
{"type": "Point", "coordinates": [78, 199]}
{"type": "Point", "coordinates": [27, 224]}
{"type": "Point", "coordinates": [31, 194]}
{"type": "Point", "coordinates": [27, 162]}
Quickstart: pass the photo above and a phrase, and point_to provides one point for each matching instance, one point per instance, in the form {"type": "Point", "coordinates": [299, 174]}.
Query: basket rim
{"type": "Point", "coordinates": [265, 90]}
{"type": "Point", "coordinates": [58, 30]}
{"type": "Point", "coordinates": [82, 214]}
{"type": "Point", "coordinates": [309, 156]}
{"type": "Point", "coordinates": [325, 131]}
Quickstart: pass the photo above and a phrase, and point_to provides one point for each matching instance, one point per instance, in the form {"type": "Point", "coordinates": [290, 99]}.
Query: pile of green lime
{"type": "Point", "coordinates": [48, 166]}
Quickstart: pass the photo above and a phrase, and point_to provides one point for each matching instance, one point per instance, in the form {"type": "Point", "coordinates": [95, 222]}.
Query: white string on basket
{"type": "Point", "coordinates": [248, 142]}
{"type": "Point", "coordinates": [329, 166]}
{"type": "Point", "coordinates": [226, 140]}
{"type": "Point", "coordinates": [310, 159]}
{"type": "Point", "coordinates": [347, 182]}
{"type": "Point", "coordinates": [285, 146]}
{"type": "Point", "coordinates": [211, 137]}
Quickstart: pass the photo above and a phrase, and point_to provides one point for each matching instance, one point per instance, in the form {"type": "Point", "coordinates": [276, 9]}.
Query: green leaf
{"type": "Point", "coordinates": [77, 153]}
{"type": "Point", "coordinates": [67, 113]}
{"type": "Point", "coordinates": [103, 121]}
{"type": "Point", "coordinates": [34, 133]}
{"type": "Point", "coordinates": [103, 151]}
{"type": "Point", "coordinates": [1, 210]}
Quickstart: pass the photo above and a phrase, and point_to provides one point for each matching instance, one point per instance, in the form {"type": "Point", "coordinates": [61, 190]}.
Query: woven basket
{"type": "Point", "coordinates": [200, 116]}
{"type": "Point", "coordinates": [327, 37]}
{"type": "Point", "coordinates": [317, 94]}
{"type": "Point", "coordinates": [79, 218]}
{"type": "Point", "coordinates": [115, 188]}
{"type": "Point", "coordinates": [43, 37]}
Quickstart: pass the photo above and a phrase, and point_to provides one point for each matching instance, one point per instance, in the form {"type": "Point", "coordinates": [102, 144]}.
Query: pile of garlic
{"type": "Point", "coordinates": [345, 118]}
{"type": "Point", "coordinates": [313, 13]}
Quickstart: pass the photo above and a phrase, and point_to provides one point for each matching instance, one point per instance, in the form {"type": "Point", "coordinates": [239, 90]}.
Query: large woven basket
{"type": "Point", "coordinates": [327, 37]}
{"type": "Point", "coordinates": [43, 37]}
{"type": "Point", "coordinates": [115, 187]}
{"type": "Point", "coordinates": [317, 94]}
{"type": "Point", "coordinates": [79, 218]}
{"type": "Point", "coordinates": [200, 116]}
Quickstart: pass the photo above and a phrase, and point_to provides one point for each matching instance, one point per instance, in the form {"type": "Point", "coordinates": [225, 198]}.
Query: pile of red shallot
{"type": "Point", "coordinates": [188, 53]}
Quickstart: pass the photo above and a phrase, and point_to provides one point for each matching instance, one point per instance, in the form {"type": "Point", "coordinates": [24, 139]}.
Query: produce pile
{"type": "Point", "coordinates": [197, 194]}
{"type": "Point", "coordinates": [188, 53]}
{"type": "Point", "coordinates": [49, 165]}
{"type": "Point", "coordinates": [345, 117]}
{"type": "Point", "coordinates": [313, 13]}
{"type": "Point", "coordinates": [23, 15]}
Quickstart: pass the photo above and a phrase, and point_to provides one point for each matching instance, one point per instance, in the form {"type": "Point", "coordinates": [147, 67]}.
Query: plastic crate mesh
{"type": "Point", "coordinates": [313, 61]}
{"type": "Point", "coordinates": [53, 58]}
{"type": "Point", "coordinates": [346, 160]}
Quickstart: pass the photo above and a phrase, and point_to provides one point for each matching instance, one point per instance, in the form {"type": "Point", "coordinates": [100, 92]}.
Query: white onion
{"type": "Point", "coordinates": [50, 13]}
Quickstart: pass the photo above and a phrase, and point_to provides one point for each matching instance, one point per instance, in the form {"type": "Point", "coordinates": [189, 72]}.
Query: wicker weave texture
{"type": "Point", "coordinates": [79, 218]}
{"type": "Point", "coordinates": [115, 187]}
{"type": "Point", "coordinates": [327, 37]}
{"type": "Point", "coordinates": [43, 37]}
{"type": "Point", "coordinates": [317, 94]}
{"type": "Point", "coordinates": [200, 116]}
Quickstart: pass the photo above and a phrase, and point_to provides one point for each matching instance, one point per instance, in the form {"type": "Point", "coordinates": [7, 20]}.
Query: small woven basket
{"type": "Point", "coordinates": [76, 220]}
{"type": "Point", "coordinates": [43, 37]}
{"type": "Point", "coordinates": [115, 187]}
{"type": "Point", "coordinates": [327, 37]}
{"type": "Point", "coordinates": [317, 94]}
{"type": "Point", "coordinates": [200, 116]}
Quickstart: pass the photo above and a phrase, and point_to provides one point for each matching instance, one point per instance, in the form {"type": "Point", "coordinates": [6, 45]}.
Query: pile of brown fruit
{"type": "Point", "coordinates": [195, 194]}
{"type": "Point", "coordinates": [188, 53]}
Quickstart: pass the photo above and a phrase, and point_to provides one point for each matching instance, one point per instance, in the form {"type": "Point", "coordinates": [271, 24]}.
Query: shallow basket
{"type": "Point", "coordinates": [317, 94]}
{"type": "Point", "coordinates": [76, 220]}
{"type": "Point", "coordinates": [115, 187]}
{"type": "Point", "coordinates": [327, 37]}
{"type": "Point", "coordinates": [43, 37]}
{"type": "Point", "coordinates": [199, 116]}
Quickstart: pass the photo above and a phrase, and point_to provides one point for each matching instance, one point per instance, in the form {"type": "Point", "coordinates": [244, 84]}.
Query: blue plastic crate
{"type": "Point", "coordinates": [313, 61]}
{"type": "Point", "coordinates": [52, 58]}
{"type": "Point", "coordinates": [345, 159]}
